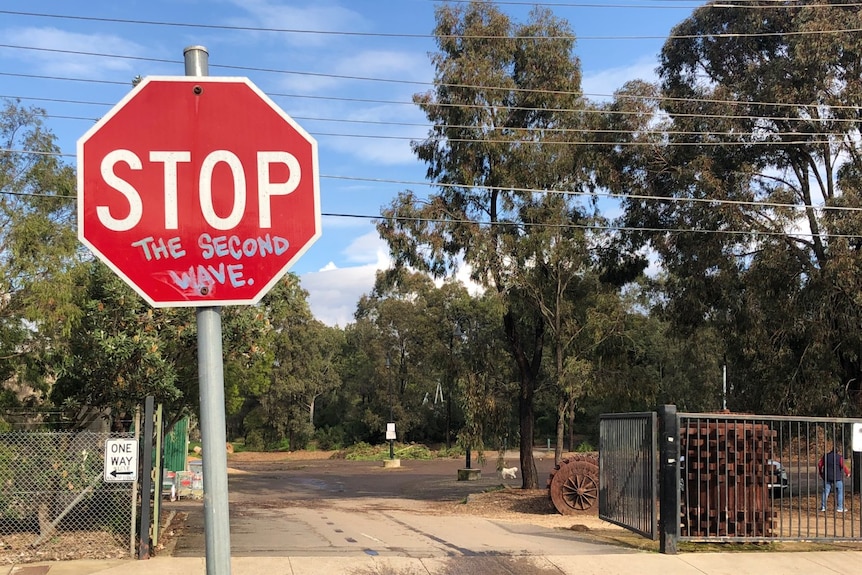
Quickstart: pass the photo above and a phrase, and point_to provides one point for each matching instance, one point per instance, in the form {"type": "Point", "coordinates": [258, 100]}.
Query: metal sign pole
{"type": "Point", "coordinates": [146, 470]}
{"type": "Point", "coordinates": [211, 382]}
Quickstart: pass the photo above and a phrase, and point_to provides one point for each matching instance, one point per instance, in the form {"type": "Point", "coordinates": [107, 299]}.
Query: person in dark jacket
{"type": "Point", "coordinates": [833, 469]}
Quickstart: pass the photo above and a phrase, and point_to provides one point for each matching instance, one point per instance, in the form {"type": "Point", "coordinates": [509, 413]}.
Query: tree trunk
{"type": "Point", "coordinates": [561, 430]}
{"type": "Point", "coordinates": [529, 475]}
{"type": "Point", "coordinates": [526, 418]}
{"type": "Point", "coordinates": [44, 516]}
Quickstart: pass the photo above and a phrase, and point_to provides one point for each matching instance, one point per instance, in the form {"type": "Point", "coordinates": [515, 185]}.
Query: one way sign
{"type": "Point", "coordinates": [121, 459]}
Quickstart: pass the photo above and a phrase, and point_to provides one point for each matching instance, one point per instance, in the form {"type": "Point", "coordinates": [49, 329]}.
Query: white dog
{"type": "Point", "coordinates": [509, 472]}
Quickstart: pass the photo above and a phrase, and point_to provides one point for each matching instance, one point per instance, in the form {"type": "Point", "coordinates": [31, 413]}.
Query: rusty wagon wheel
{"type": "Point", "coordinates": [574, 485]}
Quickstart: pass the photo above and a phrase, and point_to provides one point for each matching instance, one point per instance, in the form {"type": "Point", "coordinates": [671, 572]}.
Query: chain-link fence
{"type": "Point", "coordinates": [54, 502]}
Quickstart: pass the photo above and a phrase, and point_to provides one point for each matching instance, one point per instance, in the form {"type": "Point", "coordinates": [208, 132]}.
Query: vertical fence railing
{"type": "Point", "coordinates": [627, 471]}
{"type": "Point", "coordinates": [757, 478]}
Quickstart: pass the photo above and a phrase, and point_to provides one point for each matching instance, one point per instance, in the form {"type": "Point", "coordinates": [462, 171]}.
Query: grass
{"type": "Point", "coordinates": [367, 452]}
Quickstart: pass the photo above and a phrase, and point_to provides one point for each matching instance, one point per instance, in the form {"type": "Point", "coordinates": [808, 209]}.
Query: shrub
{"type": "Point", "coordinates": [585, 447]}
{"type": "Point", "coordinates": [329, 438]}
{"type": "Point", "coordinates": [254, 440]}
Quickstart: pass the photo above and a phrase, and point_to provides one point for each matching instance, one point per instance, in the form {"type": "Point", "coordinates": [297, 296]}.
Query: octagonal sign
{"type": "Point", "coordinates": [198, 191]}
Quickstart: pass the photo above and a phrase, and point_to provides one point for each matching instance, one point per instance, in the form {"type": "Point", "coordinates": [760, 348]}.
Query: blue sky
{"type": "Point", "coordinates": [350, 86]}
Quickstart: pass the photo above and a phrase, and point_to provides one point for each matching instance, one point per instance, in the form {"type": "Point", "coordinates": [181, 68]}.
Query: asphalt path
{"type": "Point", "coordinates": [336, 508]}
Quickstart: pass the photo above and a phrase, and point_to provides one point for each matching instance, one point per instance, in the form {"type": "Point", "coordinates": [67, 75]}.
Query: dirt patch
{"type": "Point", "coordinates": [276, 456]}
{"type": "Point", "coordinates": [62, 546]}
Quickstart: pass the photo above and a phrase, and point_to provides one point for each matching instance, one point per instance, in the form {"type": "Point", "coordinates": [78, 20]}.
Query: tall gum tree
{"type": "Point", "coordinates": [758, 172]}
{"type": "Point", "coordinates": [38, 251]}
{"type": "Point", "coordinates": [505, 99]}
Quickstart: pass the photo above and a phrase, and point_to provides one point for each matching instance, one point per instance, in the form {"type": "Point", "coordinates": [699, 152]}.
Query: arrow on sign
{"type": "Point", "coordinates": [115, 473]}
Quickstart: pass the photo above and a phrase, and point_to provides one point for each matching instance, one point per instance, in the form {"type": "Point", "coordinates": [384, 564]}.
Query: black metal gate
{"type": "Point", "coordinates": [763, 478]}
{"type": "Point", "coordinates": [628, 475]}
{"type": "Point", "coordinates": [728, 477]}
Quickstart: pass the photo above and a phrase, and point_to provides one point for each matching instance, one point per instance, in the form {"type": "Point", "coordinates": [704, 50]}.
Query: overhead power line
{"type": "Point", "coordinates": [669, 4]}
{"type": "Point", "coordinates": [584, 110]}
{"type": "Point", "coordinates": [597, 227]}
{"type": "Point", "coordinates": [528, 130]}
{"type": "Point", "coordinates": [709, 201]}
{"type": "Point", "coordinates": [402, 35]}
{"type": "Point", "coordinates": [503, 89]}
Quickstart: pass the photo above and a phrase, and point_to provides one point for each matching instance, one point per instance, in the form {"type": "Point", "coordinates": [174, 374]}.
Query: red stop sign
{"type": "Point", "coordinates": [198, 191]}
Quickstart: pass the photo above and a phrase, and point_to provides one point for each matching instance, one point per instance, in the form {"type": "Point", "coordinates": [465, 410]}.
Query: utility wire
{"type": "Point", "coordinates": [595, 227]}
{"type": "Point", "coordinates": [673, 5]}
{"type": "Point", "coordinates": [584, 110]}
{"type": "Point", "coordinates": [436, 84]}
{"type": "Point", "coordinates": [528, 130]}
{"type": "Point", "coordinates": [403, 35]}
{"type": "Point", "coordinates": [710, 201]}
{"type": "Point", "coordinates": [770, 139]}
{"type": "Point", "coordinates": [764, 131]}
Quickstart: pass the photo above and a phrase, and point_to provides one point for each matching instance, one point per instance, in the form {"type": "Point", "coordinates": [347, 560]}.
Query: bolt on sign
{"type": "Point", "coordinates": [198, 191]}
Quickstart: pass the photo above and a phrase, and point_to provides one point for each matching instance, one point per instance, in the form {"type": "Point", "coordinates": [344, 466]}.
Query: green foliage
{"type": "Point", "coordinates": [456, 451]}
{"type": "Point", "coordinates": [413, 451]}
{"type": "Point", "coordinates": [501, 106]}
{"type": "Point", "coordinates": [295, 365]}
{"type": "Point", "coordinates": [759, 136]}
{"type": "Point", "coordinates": [329, 438]}
{"type": "Point", "coordinates": [365, 452]}
{"type": "Point", "coordinates": [38, 252]}
{"type": "Point", "coordinates": [585, 447]}
{"type": "Point", "coordinates": [362, 452]}
{"type": "Point", "coordinates": [122, 350]}
{"type": "Point", "coordinates": [254, 441]}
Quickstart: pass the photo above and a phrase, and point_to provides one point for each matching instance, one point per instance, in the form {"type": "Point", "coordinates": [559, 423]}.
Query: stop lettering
{"type": "Point", "coordinates": [198, 191]}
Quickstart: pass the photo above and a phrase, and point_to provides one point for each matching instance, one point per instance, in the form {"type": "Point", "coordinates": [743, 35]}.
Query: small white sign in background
{"type": "Point", "coordinates": [857, 437]}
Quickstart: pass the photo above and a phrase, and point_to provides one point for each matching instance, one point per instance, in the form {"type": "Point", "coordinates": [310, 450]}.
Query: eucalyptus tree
{"type": "Point", "coordinates": [481, 371]}
{"type": "Point", "coordinates": [504, 109]}
{"type": "Point", "coordinates": [38, 250]}
{"type": "Point", "coordinates": [404, 320]}
{"type": "Point", "coordinates": [750, 169]}
{"type": "Point", "coordinates": [305, 364]}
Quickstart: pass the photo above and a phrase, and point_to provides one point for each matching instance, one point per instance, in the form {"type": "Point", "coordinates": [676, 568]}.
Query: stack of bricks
{"type": "Point", "coordinates": [725, 477]}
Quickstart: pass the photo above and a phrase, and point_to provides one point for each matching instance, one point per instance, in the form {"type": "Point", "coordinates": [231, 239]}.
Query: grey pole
{"type": "Point", "coordinates": [211, 383]}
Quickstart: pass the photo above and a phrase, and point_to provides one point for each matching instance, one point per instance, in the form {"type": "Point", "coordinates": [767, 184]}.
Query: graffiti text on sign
{"type": "Point", "coordinates": [237, 248]}
{"type": "Point", "coordinates": [159, 248]}
{"type": "Point", "coordinates": [201, 278]}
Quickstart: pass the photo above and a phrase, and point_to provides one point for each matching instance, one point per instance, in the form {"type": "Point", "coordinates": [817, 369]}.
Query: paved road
{"type": "Point", "coordinates": [321, 532]}
{"type": "Point", "coordinates": [342, 508]}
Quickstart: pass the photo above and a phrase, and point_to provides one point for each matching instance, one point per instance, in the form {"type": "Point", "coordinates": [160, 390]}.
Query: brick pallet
{"type": "Point", "coordinates": [725, 477]}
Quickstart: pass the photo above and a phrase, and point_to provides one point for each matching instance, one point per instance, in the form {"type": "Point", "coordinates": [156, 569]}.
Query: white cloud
{"type": "Point", "coordinates": [67, 63]}
{"type": "Point", "coordinates": [275, 15]}
{"type": "Point", "coordinates": [400, 65]}
{"type": "Point", "coordinates": [368, 248]}
{"type": "Point", "coordinates": [334, 292]}
{"type": "Point", "coordinates": [602, 84]}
